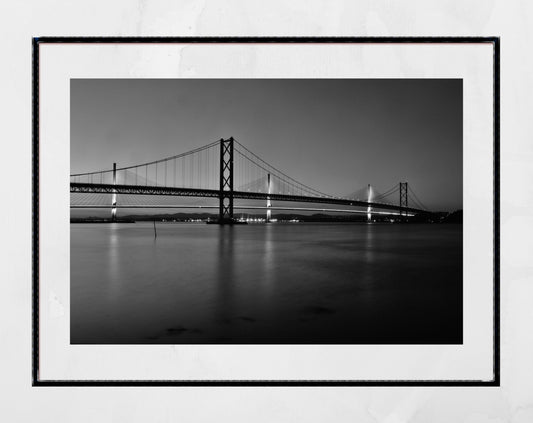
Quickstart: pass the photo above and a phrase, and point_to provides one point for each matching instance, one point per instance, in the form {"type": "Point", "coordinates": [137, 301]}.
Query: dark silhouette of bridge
{"type": "Point", "coordinates": [228, 171]}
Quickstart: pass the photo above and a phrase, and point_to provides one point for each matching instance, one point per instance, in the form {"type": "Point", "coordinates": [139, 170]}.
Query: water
{"type": "Point", "coordinates": [280, 283]}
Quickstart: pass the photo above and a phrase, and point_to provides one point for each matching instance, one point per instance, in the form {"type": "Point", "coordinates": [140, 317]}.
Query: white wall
{"type": "Point", "coordinates": [513, 401]}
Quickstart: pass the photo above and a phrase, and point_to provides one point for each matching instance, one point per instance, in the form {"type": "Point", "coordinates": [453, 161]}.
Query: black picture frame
{"type": "Point", "coordinates": [37, 41]}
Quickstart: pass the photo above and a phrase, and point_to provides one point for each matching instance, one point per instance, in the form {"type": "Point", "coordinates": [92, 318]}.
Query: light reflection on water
{"type": "Point", "coordinates": [269, 283]}
{"type": "Point", "coordinates": [115, 280]}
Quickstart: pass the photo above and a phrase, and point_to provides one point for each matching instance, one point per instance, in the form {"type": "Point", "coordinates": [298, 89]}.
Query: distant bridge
{"type": "Point", "coordinates": [227, 171]}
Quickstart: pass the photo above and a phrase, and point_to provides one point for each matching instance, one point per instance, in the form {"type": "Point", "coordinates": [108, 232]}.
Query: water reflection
{"type": "Point", "coordinates": [225, 279]}
{"type": "Point", "coordinates": [369, 244]}
{"type": "Point", "coordinates": [277, 283]}
{"type": "Point", "coordinates": [368, 272]}
{"type": "Point", "coordinates": [115, 278]}
{"type": "Point", "coordinates": [268, 274]}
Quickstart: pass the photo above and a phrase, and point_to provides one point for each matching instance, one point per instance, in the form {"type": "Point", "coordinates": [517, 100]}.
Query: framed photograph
{"type": "Point", "coordinates": [266, 211]}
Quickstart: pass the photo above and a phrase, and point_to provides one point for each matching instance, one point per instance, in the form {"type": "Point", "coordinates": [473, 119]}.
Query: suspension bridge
{"type": "Point", "coordinates": [226, 170]}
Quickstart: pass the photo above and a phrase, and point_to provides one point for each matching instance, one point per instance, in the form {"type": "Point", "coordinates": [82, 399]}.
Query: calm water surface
{"type": "Point", "coordinates": [277, 283]}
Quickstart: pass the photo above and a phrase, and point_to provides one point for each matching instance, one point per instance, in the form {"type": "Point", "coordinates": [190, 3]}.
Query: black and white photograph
{"type": "Point", "coordinates": [266, 211]}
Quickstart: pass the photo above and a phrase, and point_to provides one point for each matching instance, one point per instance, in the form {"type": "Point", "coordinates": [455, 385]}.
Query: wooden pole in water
{"type": "Point", "coordinates": [155, 231]}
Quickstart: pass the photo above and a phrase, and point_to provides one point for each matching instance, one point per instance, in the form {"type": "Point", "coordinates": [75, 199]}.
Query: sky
{"type": "Point", "coordinates": [335, 135]}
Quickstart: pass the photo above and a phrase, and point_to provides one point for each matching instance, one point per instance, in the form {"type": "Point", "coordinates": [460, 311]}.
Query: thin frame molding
{"type": "Point", "coordinates": [37, 41]}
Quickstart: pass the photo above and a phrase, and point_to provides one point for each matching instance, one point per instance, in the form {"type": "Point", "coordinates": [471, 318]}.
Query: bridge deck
{"type": "Point", "coordinates": [210, 193]}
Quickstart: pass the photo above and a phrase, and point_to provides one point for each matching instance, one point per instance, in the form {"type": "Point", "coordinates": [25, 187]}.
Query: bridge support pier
{"type": "Point", "coordinates": [225, 210]}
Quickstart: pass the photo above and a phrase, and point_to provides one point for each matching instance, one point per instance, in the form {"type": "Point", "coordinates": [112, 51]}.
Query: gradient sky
{"type": "Point", "coordinates": [335, 135]}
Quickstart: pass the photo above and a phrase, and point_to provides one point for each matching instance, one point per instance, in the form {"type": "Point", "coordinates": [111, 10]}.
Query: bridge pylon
{"type": "Point", "coordinates": [114, 197]}
{"type": "Point", "coordinates": [225, 211]}
{"type": "Point", "coordinates": [369, 209]}
{"type": "Point", "coordinates": [404, 197]}
{"type": "Point", "coordinates": [269, 203]}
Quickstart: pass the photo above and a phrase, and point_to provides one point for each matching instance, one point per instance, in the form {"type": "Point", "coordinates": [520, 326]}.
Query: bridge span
{"type": "Point", "coordinates": [213, 171]}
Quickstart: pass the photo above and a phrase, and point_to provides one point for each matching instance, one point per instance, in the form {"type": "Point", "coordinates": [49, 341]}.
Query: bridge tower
{"type": "Point", "coordinates": [114, 197]}
{"type": "Point", "coordinates": [369, 209]}
{"type": "Point", "coordinates": [269, 203]}
{"type": "Point", "coordinates": [404, 202]}
{"type": "Point", "coordinates": [225, 211]}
